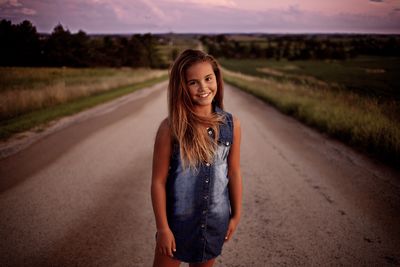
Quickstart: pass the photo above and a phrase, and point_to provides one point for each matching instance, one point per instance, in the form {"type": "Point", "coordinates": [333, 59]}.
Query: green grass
{"type": "Point", "coordinates": [17, 78]}
{"type": "Point", "coordinates": [368, 76]}
{"type": "Point", "coordinates": [23, 90]}
{"type": "Point", "coordinates": [359, 121]}
{"type": "Point", "coordinates": [47, 114]}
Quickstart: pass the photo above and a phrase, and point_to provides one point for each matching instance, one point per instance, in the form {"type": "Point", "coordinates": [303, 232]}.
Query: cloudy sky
{"type": "Point", "coordinates": [208, 16]}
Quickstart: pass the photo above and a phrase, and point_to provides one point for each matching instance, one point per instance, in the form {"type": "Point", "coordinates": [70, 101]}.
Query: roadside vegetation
{"type": "Point", "coordinates": [26, 89]}
{"type": "Point", "coordinates": [34, 96]}
{"type": "Point", "coordinates": [362, 122]}
{"type": "Point", "coordinates": [370, 76]}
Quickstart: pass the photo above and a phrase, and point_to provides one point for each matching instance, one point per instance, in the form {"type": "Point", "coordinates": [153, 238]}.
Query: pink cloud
{"type": "Point", "coordinates": [123, 16]}
{"type": "Point", "coordinates": [28, 11]}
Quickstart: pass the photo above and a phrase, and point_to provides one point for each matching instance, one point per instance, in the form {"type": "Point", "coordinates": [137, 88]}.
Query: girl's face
{"type": "Point", "coordinates": [201, 83]}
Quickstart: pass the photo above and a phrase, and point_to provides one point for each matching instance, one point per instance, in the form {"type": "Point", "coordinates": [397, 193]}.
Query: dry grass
{"type": "Point", "coordinates": [27, 89]}
{"type": "Point", "coordinates": [360, 121]}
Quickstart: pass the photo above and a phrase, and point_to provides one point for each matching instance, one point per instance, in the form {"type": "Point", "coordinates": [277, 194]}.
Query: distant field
{"type": "Point", "coordinates": [368, 123]}
{"type": "Point", "coordinates": [32, 96]}
{"type": "Point", "coordinates": [177, 43]}
{"type": "Point", "coordinates": [26, 89]}
{"type": "Point", "coordinates": [371, 76]}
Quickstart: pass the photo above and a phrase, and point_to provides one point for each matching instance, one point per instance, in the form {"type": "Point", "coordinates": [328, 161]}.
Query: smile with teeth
{"type": "Point", "coordinates": [204, 95]}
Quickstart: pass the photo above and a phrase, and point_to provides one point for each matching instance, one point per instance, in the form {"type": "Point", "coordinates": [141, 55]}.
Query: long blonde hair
{"type": "Point", "coordinates": [188, 128]}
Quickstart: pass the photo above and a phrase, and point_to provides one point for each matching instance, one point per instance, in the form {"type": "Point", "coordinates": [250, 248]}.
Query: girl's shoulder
{"type": "Point", "coordinates": [164, 131]}
{"type": "Point", "coordinates": [164, 125]}
{"type": "Point", "coordinates": [236, 121]}
{"type": "Point", "coordinates": [231, 118]}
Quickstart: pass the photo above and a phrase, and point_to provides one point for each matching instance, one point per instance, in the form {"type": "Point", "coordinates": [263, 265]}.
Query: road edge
{"type": "Point", "coordinates": [23, 140]}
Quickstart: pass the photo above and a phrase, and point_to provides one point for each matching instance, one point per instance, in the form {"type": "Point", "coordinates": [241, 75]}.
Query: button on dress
{"type": "Point", "coordinates": [198, 206]}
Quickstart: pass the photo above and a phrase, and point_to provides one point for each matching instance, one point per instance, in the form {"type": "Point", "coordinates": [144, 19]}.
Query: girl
{"type": "Point", "coordinates": [196, 182]}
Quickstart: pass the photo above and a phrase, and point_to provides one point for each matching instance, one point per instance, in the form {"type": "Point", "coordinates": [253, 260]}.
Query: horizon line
{"type": "Point", "coordinates": [238, 33]}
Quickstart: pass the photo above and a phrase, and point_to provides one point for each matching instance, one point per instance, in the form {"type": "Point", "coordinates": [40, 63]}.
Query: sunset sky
{"type": "Point", "coordinates": [208, 16]}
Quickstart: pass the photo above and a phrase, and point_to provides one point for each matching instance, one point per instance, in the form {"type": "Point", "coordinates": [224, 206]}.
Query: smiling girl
{"type": "Point", "coordinates": [196, 181]}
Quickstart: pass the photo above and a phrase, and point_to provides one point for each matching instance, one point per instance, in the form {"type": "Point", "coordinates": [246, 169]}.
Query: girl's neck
{"type": "Point", "coordinates": [203, 111]}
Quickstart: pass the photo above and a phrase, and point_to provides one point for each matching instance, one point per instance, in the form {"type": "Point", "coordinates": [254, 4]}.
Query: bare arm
{"type": "Point", "coordinates": [161, 157]}
{"type": "Point", "coordinates": [235, 179]}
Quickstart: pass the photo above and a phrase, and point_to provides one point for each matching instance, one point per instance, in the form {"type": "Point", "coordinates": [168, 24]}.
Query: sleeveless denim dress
{"type": "Point", "coordinates": [198, 206]}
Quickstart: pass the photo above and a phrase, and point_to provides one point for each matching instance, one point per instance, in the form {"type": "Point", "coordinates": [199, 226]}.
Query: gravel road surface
{"type": "Point", "coordinates": [79, 194]}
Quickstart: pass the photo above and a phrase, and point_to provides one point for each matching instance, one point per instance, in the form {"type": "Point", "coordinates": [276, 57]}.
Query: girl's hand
{"type": "Point", "coordinates": [231, 228]}
{"type": "Point", "coordinates": [165, 243]}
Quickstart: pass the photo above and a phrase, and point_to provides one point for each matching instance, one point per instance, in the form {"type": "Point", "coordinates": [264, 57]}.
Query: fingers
{"type": "Point", "coordinates": [161, 250]}
{"type": "Point", "coordinates": [167, 250]}
{"type": "Point", "coordinates": [228, 234]}
{"type": "Point", "coordinates": [166, 243]}
{"type": "Point", "coordinates": [164, 250]}
{"type": "Point", "coordinates": [172, 248]}
{"type": "Point", "coordinates": [173, 245]}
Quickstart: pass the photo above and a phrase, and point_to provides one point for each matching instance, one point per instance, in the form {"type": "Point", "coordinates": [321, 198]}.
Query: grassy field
{"type": "Point", "coordinates": [26, 89]}
{"type": "Point", "coordinates": [34, 96]}
{"type": "Point", "coordinates": [363, 122]}
{"type": "Point", "coordinates": [369, 76]}
{"type": "Point", "coordinates": [176, 45]}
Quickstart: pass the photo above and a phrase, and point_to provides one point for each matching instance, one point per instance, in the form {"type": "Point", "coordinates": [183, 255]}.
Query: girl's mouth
{"type": "Point", "coordinates": [204, 95]}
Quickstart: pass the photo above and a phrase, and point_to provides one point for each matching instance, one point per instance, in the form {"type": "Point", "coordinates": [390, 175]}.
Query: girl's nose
{"type": "Point", "coordinates": [202, 86]}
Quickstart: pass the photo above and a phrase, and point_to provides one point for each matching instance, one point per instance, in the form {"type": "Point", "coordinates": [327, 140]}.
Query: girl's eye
{"type": "Point", "coordinates": [191, 83]}
{"type": "Point", "coordinates": [209, 79]}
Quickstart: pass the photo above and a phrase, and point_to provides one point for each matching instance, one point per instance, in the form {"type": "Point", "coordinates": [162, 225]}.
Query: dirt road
{"type": "Point", "coordinates": [80, 196]}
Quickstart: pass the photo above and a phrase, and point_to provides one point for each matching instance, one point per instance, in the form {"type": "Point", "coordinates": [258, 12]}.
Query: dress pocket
{"type": "Point", "coordinates": [223, 151]}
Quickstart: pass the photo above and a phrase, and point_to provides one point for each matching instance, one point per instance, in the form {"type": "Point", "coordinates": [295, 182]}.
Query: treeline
{"type": "Point", "coordinates": [301, 47]}
{"type": "Point", "coordinates": [22, 45]}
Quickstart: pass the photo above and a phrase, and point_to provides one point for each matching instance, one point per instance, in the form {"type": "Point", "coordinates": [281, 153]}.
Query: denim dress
{"type": "Point", "coordinates": [198, 206]}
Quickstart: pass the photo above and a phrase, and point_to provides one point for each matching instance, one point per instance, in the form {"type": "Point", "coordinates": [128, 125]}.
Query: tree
{"type": "Point", "coordinates": [80, 49]}
{"type": "Point", "coordinates": [19, 44]}
{"type": "Point", "coordinates": [58, 49]}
